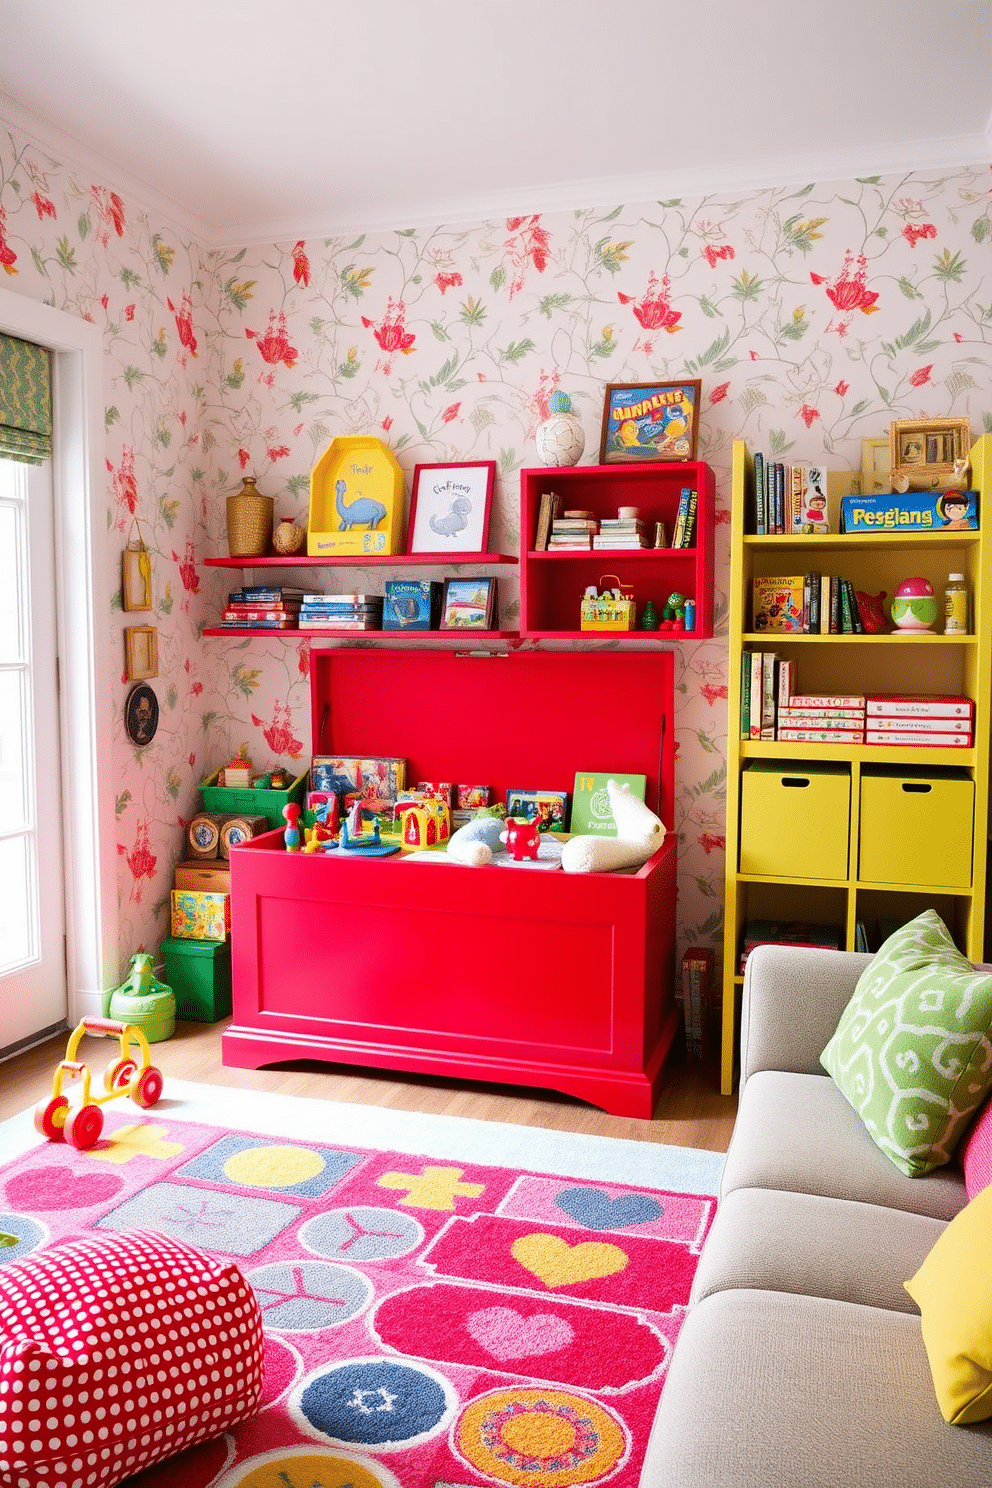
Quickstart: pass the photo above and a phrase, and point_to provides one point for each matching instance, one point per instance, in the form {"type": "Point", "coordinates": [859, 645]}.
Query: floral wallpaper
{"type": "Point", "coordinates": [813, 316]}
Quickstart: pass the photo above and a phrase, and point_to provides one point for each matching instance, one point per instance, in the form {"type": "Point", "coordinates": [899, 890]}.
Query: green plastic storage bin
{"type": "Point", "coordinates": [267, 803]}
{"type": "Point", "coordinates": [199, 973]}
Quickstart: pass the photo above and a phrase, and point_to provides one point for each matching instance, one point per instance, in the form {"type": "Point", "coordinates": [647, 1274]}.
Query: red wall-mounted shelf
{"type": "Point", "coordinates": [359, 560]}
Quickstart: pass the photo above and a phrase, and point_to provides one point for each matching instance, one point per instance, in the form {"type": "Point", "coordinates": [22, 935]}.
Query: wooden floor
{"type": "Point", "coordinates": [691, 1111]}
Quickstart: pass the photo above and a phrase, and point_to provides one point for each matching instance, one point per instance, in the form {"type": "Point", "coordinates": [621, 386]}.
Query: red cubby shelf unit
{"type": "Point", "coordinates": [552, 583]}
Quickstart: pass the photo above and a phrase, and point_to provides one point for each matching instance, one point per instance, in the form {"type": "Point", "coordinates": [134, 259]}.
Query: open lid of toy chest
{"type": "Point", "coordinates": [517, 720]}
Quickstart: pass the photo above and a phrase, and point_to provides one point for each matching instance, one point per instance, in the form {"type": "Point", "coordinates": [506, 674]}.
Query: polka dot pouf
{"type": "Point", "coordinates": [119, 1351]}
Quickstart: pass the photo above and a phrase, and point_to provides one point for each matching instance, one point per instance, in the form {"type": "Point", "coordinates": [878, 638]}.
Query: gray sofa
{"type": "Point", "coordinates": [801, 1360]}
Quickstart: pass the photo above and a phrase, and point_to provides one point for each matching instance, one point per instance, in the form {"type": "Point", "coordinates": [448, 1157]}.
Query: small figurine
{"type": "Point", "coordinates": [871, 608]}
{"type": "Point", "coordinates": [915, 605]}
{"type": "Point", "coordinates": [291, 835]}
{"type": "Point", "coordinates": [522, 838]}
{"type": "Point", "coordinates": [649, 616]}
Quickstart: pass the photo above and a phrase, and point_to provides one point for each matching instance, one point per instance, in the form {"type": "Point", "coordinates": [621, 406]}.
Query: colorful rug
{"type": "Point", "coordinates": [431, 1320]}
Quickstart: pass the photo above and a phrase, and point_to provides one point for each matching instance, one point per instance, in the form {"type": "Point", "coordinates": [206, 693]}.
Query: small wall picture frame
{"type": "Point", "coordinates": [645, 422]}
{"type": "Point", "coordinates": [469, 604]}
{"type": "Point", "coordinates": [876, 472]}
{"type": "Point", "coordinates": [141, 715]}
{"type": "Point", "coordinates": [140, 652]}
{"type": "Point", "coordinates": [136, 578]}
{"type": "Point", "coordinates": [929, 454]}
{"type": "Point", "coordinates": [450, 507]}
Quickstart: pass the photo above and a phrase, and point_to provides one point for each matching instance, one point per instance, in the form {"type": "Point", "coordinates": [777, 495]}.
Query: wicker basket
{"type": "Point", "coordinates": [249, 521]}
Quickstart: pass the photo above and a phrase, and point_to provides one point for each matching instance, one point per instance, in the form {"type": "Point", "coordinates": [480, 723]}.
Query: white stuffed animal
{"type": "Point", "coordinates": [477, 841]}
{"type": "Point", "coordinates": [639, 835]}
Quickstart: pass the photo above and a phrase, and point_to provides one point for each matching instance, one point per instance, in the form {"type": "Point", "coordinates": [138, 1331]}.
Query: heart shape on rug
{"type": "Point", "coordinates": [597, 1211]}
{"type": "Point", "coordinates": [507, 1334]}
{"type": "Point", "coordinates": [60, 1188]}
{"type": "Point", "coordinates": [557, 1263]}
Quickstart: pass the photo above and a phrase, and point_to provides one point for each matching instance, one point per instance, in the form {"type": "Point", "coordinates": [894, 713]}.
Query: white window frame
{"type": "Point", "coordinates": [83, 636]}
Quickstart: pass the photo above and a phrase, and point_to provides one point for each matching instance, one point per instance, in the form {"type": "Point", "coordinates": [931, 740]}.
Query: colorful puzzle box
{"type": "Point", "coordinates": [910, 511]}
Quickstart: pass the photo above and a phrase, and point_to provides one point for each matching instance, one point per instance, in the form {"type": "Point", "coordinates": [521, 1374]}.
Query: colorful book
{"type": "Point", "coordinates": [809, 500]}
{"type": "Point", "coordinates": [769, 681]}
{"type": "Point", "coordinates": [921, 724]}
{"type": "Point", "coordinates": [678, 534]}
{"type": "Point", "coordinates": [778, 604]}
{"type": "Point", "coordinates": [688, 537]}
{"type": "Point", "coordinates": [786, 677]}
{"type": "Point", "coordinates": [913, 705]}
{"type": "Point", "coordinates": [760, 509]}
{"type": "Point", "coordinates": [591, 814]}
{"type": "Point", "coordinates": [821, 735]}
{"type": "Point", "coordinates": [913, 739]}
{"type": "Point", "coordinates": [757, 684]}
{"type": "Point", "coordinates": [745, 716]}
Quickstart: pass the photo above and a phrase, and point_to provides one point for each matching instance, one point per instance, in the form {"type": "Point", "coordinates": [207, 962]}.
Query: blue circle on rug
{"type": "Point", "coordinates": [362, 1233]}
{"type": "Point", "coordinates": [308, 1296]}
{"type": "Point", "coordinates": [376, 1403]}
{"type": "Point", "coordinates": [19, 1235]}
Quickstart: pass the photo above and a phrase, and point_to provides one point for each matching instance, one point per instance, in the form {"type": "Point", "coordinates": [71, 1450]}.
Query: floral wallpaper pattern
{"type": "Point", "coordinates": [813, 316]}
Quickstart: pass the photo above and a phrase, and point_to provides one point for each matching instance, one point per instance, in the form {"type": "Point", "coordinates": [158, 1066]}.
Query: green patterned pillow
{"type": "Point", "coordinates": [912, 1051]}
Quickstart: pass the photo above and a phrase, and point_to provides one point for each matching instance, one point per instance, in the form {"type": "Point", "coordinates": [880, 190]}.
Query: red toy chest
{"type": "Point", "coordinates": [523, 976]}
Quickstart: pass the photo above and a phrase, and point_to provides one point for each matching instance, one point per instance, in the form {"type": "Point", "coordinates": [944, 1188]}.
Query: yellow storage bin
{"type": "Point", "coordinates": [795, 819]}
{"type": "Point", "coordinates": [917, 826]}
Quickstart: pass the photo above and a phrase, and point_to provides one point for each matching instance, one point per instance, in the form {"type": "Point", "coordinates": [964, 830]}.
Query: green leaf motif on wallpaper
{"type": "Point", "coordinates": [949, 266]}
{"type": "Point", "coordinates": [958, 382]}
{"type": "Point", "coordinates": [909, 289]}
{"type": "Point", "coordinates": [481, 417]}
{"type": "Point", "coordinates": [444, 372]}
{"type": "Point", "coordinates": [912, 337]}
{"type": "Point", "coordinates": [553, 302]}
{"type": "Point", "coordinates": [497, 278]}
{"type": "Point", "coordinates": [129, 278]}
{"type": "Point", "coordinates": [708, 308]}
{"type": "Point", "coordinates": [238, 291]}
{"type": "Point", "coordinates": [714, 784]}
{"type": "Point", "coordinates": [517, 350]}
{"type": "Point", "coordinates": [171, 697]}
{"type": "Point", "coordinates": [440, 331]}
{"type": "Point", "coordinates": [236, 376]}
{"type": "Point", "coordinates": [796, 328]}
{"type": "Point", "coordinates": [473, 312]}
{"type": "Point", "coordinates": [132, 376]}
{"type": "Point", "coordinates": [777, 442]}
{"type": "Point", "coordinates": [508, 461]}
{"type": "Point", "coordinates": [122, 803]}
{"type": "Point", "coordinates": [706, 888]}
{"type": "Point", "coordinates": [172, 783]}
{"type": "Point", "coordinates": [609, 255]}
{"type": "Point", "coordinates": [606, 345]}
{"type": "Point", "coordinates": [159, 346]}
{"type": "Point", "coordinates": [299, 400]}
{"type": "Point", "coordinates": [867, 180]}
{"type": "Point", "coordinates": [859, 407]}
{"type": "Point", "coordinates": [980, 229]}
{"type": "Point", "coordinates": [83, 226]}
{"type": "Point", "coordinates": [39, 262]}
{"type": "Point", "coordinates": [351, 366]}
{"type": "Point", "coordinates": [746, 286]}
{"type": "Point", "coordinates": [66, 255]}
{"type": "Point", "coordinates": [355, 281]}
{"type": "Point", "coordinates": [715, 349]}
{"type": "Point", "coordinates": [751, 398]}
{"type": "Point", "coordinates": [163, 253]}
{"type": "Point", "coordinates": [802, 232]}
{"type": "Point", "coordinates": [111, 415]}
{"type": "Point", "coordinates": [246, 680]}
{"type": "Point", "coordinates": [162, 434]}
{"type": "Point", "coordinates": [710, 926]}
{"type": "Point", "coordinates": [169, 509]}
{"type": "Point", "coordinates": [299, 483]}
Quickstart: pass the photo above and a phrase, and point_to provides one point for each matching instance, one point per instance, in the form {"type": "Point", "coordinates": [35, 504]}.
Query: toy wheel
{"type": "Point", "coordinates": [83, 1127]}
{"type": "Point", "coordinates": [49, 1118]}
{"type": "Point", "coordinates": [118, 1075]}
{"type": "Point", "coordinates": [148, 1086]}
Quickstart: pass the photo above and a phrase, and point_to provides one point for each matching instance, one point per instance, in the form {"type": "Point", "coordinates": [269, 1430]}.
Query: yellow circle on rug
{"type": "Point", "coordinates": [289, 1469]}
{"type": "Point", "coordinates": [273, 1167]}
{"type": "Point", "coordinates": [546, 1437]}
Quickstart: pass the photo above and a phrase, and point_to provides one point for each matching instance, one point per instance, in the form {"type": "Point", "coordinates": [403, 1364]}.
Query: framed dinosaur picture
{"type": "Point", "coordinates": [449, 508]}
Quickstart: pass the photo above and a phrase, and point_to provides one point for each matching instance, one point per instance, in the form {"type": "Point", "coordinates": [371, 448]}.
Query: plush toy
{"type": "Point", "coordinates": [522, 838]}
{"type": "Point", "coordinates": [476, 842]}
{"type": "Point", "coordinates": [639, 835]}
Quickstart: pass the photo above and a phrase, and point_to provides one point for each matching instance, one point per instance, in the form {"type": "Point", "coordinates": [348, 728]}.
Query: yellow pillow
{"type": "Point", "coordinates": [953, 1290]}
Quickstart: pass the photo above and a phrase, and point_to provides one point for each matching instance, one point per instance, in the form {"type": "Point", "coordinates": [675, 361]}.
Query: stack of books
{"type": "Point", "coordinates": [620, 532]}
{"type": "Point", "coordinates": [788, 932]}
{"type": "Point", "coordinates": [831, 718]}
{"type": "Point", "coordinates": [573, 529]}
{"type": "Point", "coordinates": [262, 607]}
{"type": "Point", "coordinates": [341, 612]}
{"type": "Point", "coordinates": [807, 604]}
{"type": "Point", "coordinates": [917, 720]}
{"type": "Point", "coordinates": [789, 498]}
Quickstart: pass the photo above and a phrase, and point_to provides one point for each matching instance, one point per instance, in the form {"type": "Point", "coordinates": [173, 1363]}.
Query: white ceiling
{"type": "Point", "coordinates": [252, 120]}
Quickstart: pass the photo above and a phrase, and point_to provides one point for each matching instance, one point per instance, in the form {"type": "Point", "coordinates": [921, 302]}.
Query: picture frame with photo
{"type": "Point", "coordinates": [450, 506]}
{"type": "Point", "coordinates": [141, 715]}
{"type": "Point", "coordinates": [548, 808]}
{"type": "Point", "coordinates": [136, 578]}
{"type": "Point", "coordinates": [929, 454]}
{"type": "Point", "coordinates": [469, 604]}
{"type": "Point", "coordinates": [644, 422]}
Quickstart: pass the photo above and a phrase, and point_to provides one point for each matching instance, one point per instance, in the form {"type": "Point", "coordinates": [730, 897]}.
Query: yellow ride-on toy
{"type": "Point", "coordinates": [81, 1125]}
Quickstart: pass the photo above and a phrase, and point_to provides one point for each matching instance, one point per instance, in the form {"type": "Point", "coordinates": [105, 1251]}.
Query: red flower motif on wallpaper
{"type": "Point", "coordinates": [654, 309]}
{"type": "Point", "coordinates": [713, 692]}
{"type": "Point", "coordinates": [184, 321]}
{"type": "Point", "coordinates": [708, 841]}
{"type": "Point", "coordinates": [140, 859]}
{"type": "Point", "coordinates": [187, 571]}
{"type": "Point", "coordinates": [450, 413]}
{"type": "Point", "coordinates": [278, 734]}
{"type": "Point", "coordinates": [808, 414]}
{"type": "Point", "coordinates": [921, 376]}
{"type": "Point", "coordinates": [303, 659]}
{"type": "Point", "coordinates": [447, 281]}
{"type": "Point", "coordinates": [547, 382]}
{"type": "Point", "coordinates": [529, 243]}
{"type": "Point", "coordinates": [914, 234]}
{"type": "Point", "coordinates": [124, 484]}
{"type": "Point", "coordinates": [8, 257]}
{"type": "Point", "coordinates": [301, 264]}
{"type": "Point", "coordinates": [718, 393]}
{"type": "Point", "coordinates": [841, 388]}
{"type": "Point", "coordinates": [43, 206]}
{"type": "Point", "coordinates": [387, 422]}
{"type": "Point", "coordinates": [129, 312]}
{"type": "Point", "coordinates": [110, 211]}
{"type": "Point", "coordinates": [243, 457]}
{"type": "Point", "coordinates": [714, 254]}
{"type": "Point", "coordinates": [849, 291]}
{"type": "Point", "coordinates": [391, 333]}
{"type": "Point", "coordinates": [275, 344]}
{"type": "Point", "coordinates": [278, 451]}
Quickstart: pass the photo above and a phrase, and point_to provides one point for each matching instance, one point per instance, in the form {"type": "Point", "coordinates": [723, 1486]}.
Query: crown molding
{"type": "Point", "coordinates": [577, 194]}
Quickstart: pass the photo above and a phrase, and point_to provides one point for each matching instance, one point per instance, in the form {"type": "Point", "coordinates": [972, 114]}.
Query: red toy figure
{"type": "Point", "coordinates": [522, 838]}
{"type": "Point", "coordinates": [871, 608]}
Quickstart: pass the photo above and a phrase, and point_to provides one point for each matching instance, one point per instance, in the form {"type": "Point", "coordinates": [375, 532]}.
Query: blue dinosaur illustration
{"type": "Point", "coordinates": [362, 512]}
{"type": "Point", "coordinates": [454, 520]}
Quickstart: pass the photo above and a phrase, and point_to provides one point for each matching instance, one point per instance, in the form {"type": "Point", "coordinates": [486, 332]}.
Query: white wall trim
{"type": "Point", "coordinates": [83, 641]}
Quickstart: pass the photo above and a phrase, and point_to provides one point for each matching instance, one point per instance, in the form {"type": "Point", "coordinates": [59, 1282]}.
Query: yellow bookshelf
{"type": "Point", "coordinates": [834, 888]}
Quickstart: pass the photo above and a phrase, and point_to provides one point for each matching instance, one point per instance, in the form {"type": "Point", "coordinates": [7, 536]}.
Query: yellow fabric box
{"type": "Point", "coordinates": [917, 826]}
{"type": "Point", "coordinates": [197, 915]}
{"type": "Point", "coordinates": [795, 819]}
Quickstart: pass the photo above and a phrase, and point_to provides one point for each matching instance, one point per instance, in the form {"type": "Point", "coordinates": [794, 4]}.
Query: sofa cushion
{"type": "Point", "coordinates": [912, 1051]}
{"type": "Point", "coordinates": [797, 1132]}
{"type": "Point", "coordinates": [771, 1390]}
{"type": "Point", "coordinates": [146, 1345]}
{"type": "Point", "coordinates": [975, 1152]}
{"type": "Point", "coordinates": [953, 1290]}
{"type": "Point", "coordinates": [787, 1242]}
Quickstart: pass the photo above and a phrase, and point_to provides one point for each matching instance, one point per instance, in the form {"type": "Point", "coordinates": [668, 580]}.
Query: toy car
{"type": "Point", "coordinates": [81, 1125]}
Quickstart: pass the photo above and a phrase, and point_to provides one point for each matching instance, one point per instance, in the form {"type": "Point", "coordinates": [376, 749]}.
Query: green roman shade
{"type": "Point", "coordinates": [25, 402]}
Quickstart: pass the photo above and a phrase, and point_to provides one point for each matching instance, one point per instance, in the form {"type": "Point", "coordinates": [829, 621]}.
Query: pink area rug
{"type": "Point", "coordinates": [427, 1322]}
